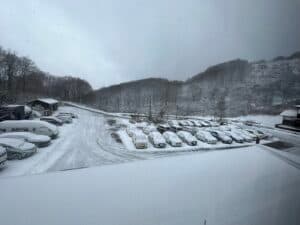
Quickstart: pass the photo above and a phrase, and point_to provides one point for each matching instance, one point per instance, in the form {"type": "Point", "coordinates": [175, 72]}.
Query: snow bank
{"type": "Point", "coordinates": [232, 187]}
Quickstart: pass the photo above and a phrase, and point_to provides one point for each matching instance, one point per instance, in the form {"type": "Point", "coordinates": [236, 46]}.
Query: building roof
{"type": "Point", "coordinates": [49, 101]}
{"type": "Point", "coordinates": [289, 112]}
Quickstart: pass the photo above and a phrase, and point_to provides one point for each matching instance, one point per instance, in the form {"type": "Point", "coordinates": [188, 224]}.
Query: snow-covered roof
{"type": "Point", "coordinates": [48, 100]}
{"type": "Point", "coordinates": [289, 112]}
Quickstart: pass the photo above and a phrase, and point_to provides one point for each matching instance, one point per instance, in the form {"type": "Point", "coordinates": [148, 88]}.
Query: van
{"type": "Point", "coordinates": [34, 126]}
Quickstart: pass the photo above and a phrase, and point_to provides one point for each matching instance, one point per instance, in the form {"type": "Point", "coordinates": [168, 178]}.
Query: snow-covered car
{"type": "Point", "coordinates": [52, 119]}
{"type": "Point", "coordinates": [189, 123]}
{"type": "Point", "coordinates": [187, 138]}
{"type": "Point", "coordinates": [163, 128]}
{"type": "Point", "coordinates": [157, 139]}
{"type": "Point", "coordinates": [38, 140]}
{"type": "Point", "coordinates": [172, 139]}
{"type": "Point", "coordinates": [183, 123]}
{"type": "Point", "coordinates": [74, 116]}
{"type": "Point", "coordinates": [206, 136]}
{"type": "Point", "coordinates": [214, 123]}
{"type": "Point", "coordinates": [192, 130]}
{"type": "Point", "coordinates": [34, 126]}
{"type": "Point", "coordinates": [64, 118]}
{"type": "Point", "coordinates": [17, 148]}
{"type": "Point", "coordinates": [221, 136]}
{"type": "Point", "coordinates": [204, 123]}
{"type": "Point", "coordinates": [149, 129]}
{"type": "Point", "coordinates": [3, 156]}
{"type": "Point", "coordinates": [131, 130]}
{"type": "Point", "coordinates": [235, 136]}
{"type": "Point", "coordinates": [139, 140]}
{"type": "Point", "coordinates": [197, 123]}
{"type": "Point", "coordinates": [258, 133]}
{"type": "Point", "coordinates": [248, 137]}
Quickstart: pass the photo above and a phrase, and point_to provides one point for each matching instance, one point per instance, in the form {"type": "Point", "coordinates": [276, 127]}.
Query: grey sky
{"type": "Point", "coordinates": [112, 41]}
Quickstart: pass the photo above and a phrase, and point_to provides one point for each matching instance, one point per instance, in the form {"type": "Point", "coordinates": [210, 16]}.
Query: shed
{"type": "Point", "coordinates": [48, 105]}
{"type": "Point", "coordinates": [291, 117]}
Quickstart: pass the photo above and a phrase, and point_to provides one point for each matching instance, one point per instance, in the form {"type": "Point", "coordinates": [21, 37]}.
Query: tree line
{"type": "Point", "coordinates": [22, 80]}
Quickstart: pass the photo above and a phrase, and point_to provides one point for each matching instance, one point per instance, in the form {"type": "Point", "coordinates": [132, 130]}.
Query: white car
{"type": "Point", "coordinates": [206, 136]}
{"type": "Point", "coordinates": [131, 130]}
{"type": "Point", "coordinates": [3, 156]}
{"type": "Point", "coordinates": [140, 140]}
{"type": "Point", "coordinates": [204, 123]}
{"type": "Point", "coordinates": [235, 136]}
{"type": "Point", "coordinates": [74, 116]}
{"type": "Point", "coordinates": [65, 118]}
{"type": "Point", "coordinates": [52, 119]}
{"type": "Point", "coordinates": [157, 139]}
{"type": "Point", "coordinates": [221, 136]}
{"type": "Point", "coordinates": [34, 126]}
{"type": "Point", "coordinates": [172, 139]}
{"type": "Point", "coordinates": [149, 129]}
{"type": "Point", "coordinates": [187, 138]}
{"type": "Point", "coordinates": [247, 136]}
{"type": "Point", "coordinates": [38, 140]}
{"type": "Point", "coordinates": [17, 149]}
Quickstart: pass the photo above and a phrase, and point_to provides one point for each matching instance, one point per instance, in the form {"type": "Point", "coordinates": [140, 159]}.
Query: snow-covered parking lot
{"type": "Point", "coordinates": [87, 142]}
{"type": "Point", "coordinates": [84, 143]}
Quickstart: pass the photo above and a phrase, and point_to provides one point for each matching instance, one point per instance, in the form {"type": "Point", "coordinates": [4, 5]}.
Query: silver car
{"type": "Point", "coordinates": [205, 136]}
{"type": "Point", "coordinates": [17, 149]}
{"type": "Point", "coordinates": [38, 140]}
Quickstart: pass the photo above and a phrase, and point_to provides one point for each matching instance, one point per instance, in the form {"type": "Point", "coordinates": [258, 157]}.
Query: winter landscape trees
{"type": "Point", "coordinates": [21, 79]}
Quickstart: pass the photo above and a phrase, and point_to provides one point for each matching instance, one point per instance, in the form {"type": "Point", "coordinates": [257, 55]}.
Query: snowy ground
{"type": "Point", "coordinates": [87, 143]}
{"type": "Point", "coordinates": [84, 143]}
{"type": "Point", "coordinates": [233, 187]}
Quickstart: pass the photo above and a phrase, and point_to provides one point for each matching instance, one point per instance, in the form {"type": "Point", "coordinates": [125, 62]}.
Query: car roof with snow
{"type": "Point", "coordinates": [27, 123]}
{"type": "Point", "coordinates": [25, 135]}
{"type": "Point", "coordinates": [13, 142]}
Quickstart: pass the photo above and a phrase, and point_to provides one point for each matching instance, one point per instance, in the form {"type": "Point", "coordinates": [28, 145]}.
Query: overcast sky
{"type": "Point", "coordinates": [112, 41]}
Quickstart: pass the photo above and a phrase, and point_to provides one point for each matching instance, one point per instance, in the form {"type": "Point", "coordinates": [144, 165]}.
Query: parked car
{"type": "Point", "coordinates": [74, 116]}
{"type": "Point", "coordinates": [38, 140]}
{"type": "Point", "coordinates": [235, 137]}
{"type": "Point", "coordinates": [172, 139]}
{"type": "Point", "coordinates": [257, 133]}
{"type": "Point", "coordinates": [17, 149]}
{"type": "Point", "coordinates": [183, 123]}
{"type": "Point", "coordinates": [204, 123]}
{"type": "Point", "coordinates": [157, 140]}
{"type": "Point", "coordinates": [130, 131]}
{"type": "Point", "coordinates": [116, 136]}
{"type": "Point", "coordinates": [244, 134]}
{"type": "Point", "coordinates": [149, 129]}
{"type": "Point", "coordinates": [139, 140]}
{"type": "Point", "coordinates": [175, 128]}
{"type": "Point", "coordinates": [34, 126]}
{"type": "Point", "coordinates": [65, 118]}
{"type": "Point", "coordinates": [52, 119]}
{"type": "Point", "coordinates": [206, 136]}
{"type": "Point", "coordinates": [3, 156]}
{"type": "Point", "coordinates": [192, 130]}
{"type": "Point", "coordinates": [197, 123]}
{"type": "Point", "coordinates": [221, 136]}
{"type": "Point", "coordinates": [163, 128]}
{"type": "Point", "coordinates": [187, 138]}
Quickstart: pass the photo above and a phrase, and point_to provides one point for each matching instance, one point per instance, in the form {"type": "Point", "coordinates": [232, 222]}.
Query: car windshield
{"type": "Point", "coordinates": [149, 112]}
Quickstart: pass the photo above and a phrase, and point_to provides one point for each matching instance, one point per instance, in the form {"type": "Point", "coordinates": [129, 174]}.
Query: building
{"type": "Point", "coordinates": [291, 119]}
{"type": "Point", "coordinates": [46, 106]}
{"type": "Point", "coordinates": [14, 112]}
